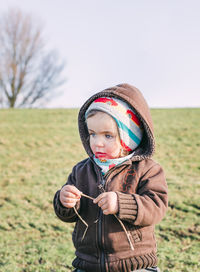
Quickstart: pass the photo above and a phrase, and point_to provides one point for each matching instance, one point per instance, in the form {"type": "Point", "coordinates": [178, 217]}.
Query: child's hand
{"type": "Point", "coordinates": [108, 202]}
{"type": "Point", "coordinates": [69, 195]}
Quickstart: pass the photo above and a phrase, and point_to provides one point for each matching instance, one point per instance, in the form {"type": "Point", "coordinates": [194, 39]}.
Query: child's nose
{"type": "Point", "coordinates": [99, 142]}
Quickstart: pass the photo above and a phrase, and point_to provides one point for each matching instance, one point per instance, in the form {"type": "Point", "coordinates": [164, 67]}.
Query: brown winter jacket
{"type": "Point", "coordinates": [142, 196]}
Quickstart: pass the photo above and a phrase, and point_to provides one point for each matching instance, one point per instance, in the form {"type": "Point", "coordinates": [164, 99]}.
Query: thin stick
{"type": "Point", "coordinates": [87, 196]}
{"type": "Point", "coordinates": [126, 232]}
{"type": "Point", "coordinates": [121, 223]}
{"type": "Point", "coordinates": [83, 223]}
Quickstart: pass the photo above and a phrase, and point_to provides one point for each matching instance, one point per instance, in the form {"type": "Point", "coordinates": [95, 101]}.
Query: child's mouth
{"type": "Point", "coordinates": [100, 155]}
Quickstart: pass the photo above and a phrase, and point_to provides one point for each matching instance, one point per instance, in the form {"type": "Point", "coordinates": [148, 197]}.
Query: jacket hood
{"type": "Point", "coordinates": [135, 99]}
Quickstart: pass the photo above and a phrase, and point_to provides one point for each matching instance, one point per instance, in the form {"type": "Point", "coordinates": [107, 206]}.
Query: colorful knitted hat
{"type": "Point", "coordinates": [129, 125]}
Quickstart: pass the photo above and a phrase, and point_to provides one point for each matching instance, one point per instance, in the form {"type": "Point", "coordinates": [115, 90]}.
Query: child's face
{"type": "Point", "coordinates": [104, 136]}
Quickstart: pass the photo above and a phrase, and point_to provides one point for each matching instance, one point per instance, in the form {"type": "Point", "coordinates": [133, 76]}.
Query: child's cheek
{"type": "Point", "coordinates": [92, 146]}
{"type": "Point", "coordinates": [114, 151]}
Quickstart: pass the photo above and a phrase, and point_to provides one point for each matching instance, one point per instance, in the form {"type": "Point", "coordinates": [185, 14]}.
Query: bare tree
{"type": "Point", "coordinates": [28, 72]}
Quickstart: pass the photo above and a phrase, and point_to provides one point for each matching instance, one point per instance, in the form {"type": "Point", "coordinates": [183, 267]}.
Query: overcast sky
{"type": "Point", "coordinates": [153, 45]}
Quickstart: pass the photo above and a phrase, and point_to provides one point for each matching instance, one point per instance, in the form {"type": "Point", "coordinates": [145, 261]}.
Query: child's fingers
{"type": "Point", "coordinates": [69, 200]}
{"type": "Point", "coordinates": [65, 199]}
{"type": "Point", "coordinates": [70, 195]}
{"type": "Point", "coordinates": [107, 202]}
{"type": "Point", "coordinates": [106, 212]}
{"type": "Point", "coordinates": [72, 189]}
{"type": "Point", "coordinates": [70, 203]}
{"type": "Point", "coordinates": [99, 198]}
{"type": "Point", "coordinates": [102, 203]}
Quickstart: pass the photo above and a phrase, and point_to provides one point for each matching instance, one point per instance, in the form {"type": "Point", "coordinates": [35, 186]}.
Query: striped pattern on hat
{"type": "Point", "coordinates": [128, 123]}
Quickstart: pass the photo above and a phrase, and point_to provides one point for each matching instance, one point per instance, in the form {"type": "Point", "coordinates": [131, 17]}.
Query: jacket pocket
{"type": "Point", "coordinates": [135, 232]}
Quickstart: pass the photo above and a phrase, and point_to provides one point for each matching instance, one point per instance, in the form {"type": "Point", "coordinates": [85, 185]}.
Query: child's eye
{"type": "Point", "coordinates": [108, 136]}
{"type": "Point", "coordinates": [92, 134]}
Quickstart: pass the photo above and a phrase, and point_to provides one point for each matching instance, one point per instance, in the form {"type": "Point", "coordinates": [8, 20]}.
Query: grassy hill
{"type": "Point", "coordinates": [37, 151]}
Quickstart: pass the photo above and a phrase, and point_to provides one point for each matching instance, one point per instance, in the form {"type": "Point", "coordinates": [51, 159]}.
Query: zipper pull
{"type": "Point", "coordinates": [101, 189]}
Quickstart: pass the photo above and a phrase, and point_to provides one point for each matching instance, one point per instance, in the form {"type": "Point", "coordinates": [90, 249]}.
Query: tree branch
{"type": "Point", "coordinates": [27, 73]}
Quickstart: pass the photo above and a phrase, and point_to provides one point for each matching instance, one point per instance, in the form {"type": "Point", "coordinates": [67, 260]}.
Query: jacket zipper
{"type": "Point", "coordinates": [100, 236]}
{"type": "Point", "coordinates": [100, 223]}
{"type": "Point", "coordinates": [101, 187]}
{"type": "Point", "coordinates": [102, 255]}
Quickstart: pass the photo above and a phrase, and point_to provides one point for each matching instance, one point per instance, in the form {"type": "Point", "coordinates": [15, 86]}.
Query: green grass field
{"type": "Point", "coordinates": [37, 151]}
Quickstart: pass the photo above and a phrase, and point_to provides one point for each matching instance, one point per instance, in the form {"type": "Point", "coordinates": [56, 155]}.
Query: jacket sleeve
{"type": "Point", "coordinates": [63, 213]}
{"type": "Point", "coordinates": [149, 204]}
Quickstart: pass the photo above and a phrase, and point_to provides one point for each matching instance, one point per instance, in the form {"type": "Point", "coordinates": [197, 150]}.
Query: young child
{"type": "Point", "coordinates": [118, 194]}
